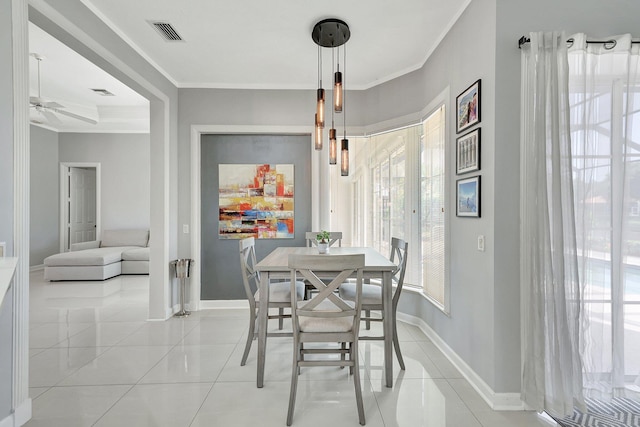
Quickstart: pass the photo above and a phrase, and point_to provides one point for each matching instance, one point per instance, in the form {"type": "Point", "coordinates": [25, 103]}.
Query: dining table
{"type": "Point", "coordinates": [275, 266]}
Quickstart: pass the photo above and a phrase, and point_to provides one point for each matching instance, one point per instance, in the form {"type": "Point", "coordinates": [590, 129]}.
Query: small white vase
{"type": "Point", "coordinates": [323, 248]}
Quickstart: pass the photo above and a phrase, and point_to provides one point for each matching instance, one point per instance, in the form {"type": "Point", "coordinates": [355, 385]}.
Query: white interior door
{"type": "Point", "coordinates": [81, 205]}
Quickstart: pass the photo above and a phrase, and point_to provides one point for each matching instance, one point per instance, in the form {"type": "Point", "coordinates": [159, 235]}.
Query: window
{"type": "Point", "coordinates": [398, 190]}
{"type": "Point", "coordinates": [432, 203]}
{"type": "Point", "coordinates": [604, 94]}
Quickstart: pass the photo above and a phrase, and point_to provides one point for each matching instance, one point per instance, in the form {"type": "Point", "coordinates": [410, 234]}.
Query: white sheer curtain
{"type": "Point", "coordinates": [550, 298]}
{"type": "Point", "coordinates": [605, 133]}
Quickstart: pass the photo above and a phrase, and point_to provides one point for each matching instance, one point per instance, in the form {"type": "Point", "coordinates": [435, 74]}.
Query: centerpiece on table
{"type": "Point", "coordinates": [323, 242]}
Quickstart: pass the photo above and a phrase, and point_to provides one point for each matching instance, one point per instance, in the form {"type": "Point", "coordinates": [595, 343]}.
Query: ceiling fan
{"type": "Point", "coordinates": [49, 109]}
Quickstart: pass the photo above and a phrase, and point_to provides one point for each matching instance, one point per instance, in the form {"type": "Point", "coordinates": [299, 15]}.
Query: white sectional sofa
{"type": "Point", "coordinates": [119, 252]}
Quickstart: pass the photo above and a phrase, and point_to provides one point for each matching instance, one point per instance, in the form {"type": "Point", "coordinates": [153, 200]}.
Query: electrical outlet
{"type": "Point", "coordinates": [185, 228]}
{"type": "Point", "coordinates": [481, 243]}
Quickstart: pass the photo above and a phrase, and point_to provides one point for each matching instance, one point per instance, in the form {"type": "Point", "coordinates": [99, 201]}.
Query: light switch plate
{"type": "Point", "coordinates": [481, 243]}
{"type": "Point", "coordinates": [185, 228]}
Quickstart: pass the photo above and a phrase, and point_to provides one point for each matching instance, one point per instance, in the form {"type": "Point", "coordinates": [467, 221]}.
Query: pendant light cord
{"type": "Point", "coordinates": [333, 92]}
{"type": "Point", "coordinates": [344, 90]}
{"type": "Point", "coordinates": [319, 67]}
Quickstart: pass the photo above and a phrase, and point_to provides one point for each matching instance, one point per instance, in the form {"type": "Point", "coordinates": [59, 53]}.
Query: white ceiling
{"type": "Point", "coordinates": [267, 44]}
{"type": "Point", "coordinates": [246, 44]}
{"type": "Point", "coordinates": [67, 78]}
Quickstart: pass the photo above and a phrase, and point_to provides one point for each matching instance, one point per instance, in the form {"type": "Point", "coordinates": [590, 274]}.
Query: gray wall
{"type": "Point", "coordinates": [44, 199]}
{"type": "Point", "coordinates": [230, 107]}
{"type": "Point", "coordinates": [220, 280]}
{"type": "Point", "coordinates": [6, 200]}
{"type": "Point", "coordinates": [470, 328]}
{"type": "Point", "coordinates": [124, 162]}
{"type": "Point", "coordinates": [485, 293]}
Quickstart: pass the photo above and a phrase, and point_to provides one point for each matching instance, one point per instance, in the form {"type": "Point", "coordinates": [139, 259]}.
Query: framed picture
{"type": "Point", "coordinates": [468, 197]}
{"type": "Point", "coordinates": [468, 107]}
{"type": "Point", "coordinates": [468, 152]}
{"type": "Point", "coordinates": [256, 200]}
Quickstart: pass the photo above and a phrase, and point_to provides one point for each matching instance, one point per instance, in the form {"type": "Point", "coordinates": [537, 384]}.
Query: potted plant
{"type": "Point", "coordinates": [323, 242]}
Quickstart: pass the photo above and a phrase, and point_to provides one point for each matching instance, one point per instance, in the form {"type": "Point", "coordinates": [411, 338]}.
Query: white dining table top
{"type": "Point", "coordinates": [278, 259]}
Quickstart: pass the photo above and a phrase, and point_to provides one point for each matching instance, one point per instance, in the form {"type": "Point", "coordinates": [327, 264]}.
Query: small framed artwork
{"type": "Point", "coordinates": [468, 152]}
{"type": "Point", "coordinates": [468, 197]}
{"type": "Point", "coordinates": [468, 107]}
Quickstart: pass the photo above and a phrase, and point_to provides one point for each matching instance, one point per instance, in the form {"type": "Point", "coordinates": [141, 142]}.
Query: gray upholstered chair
{"type": "Point", "coordinates": [326, 318]}
{"type": "Point", "coordinates": [372, 294]}
{"type": "Point", "coordinates": [279, 294]}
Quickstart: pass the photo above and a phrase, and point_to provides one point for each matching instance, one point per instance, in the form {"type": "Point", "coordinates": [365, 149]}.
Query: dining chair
{"type": "Point", "coordinates": [372, 295]}
{"type": "Point", "coordinates": [334, 237]}
{"type": "Point", "coordinates": [326, 318]}
{"type": "Point", "coordinates": [279, 294]}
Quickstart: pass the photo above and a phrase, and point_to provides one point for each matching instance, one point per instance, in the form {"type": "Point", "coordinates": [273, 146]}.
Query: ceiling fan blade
{"type": "Point", "coordinates": [37, 101]}
{"type": "Point", "coordinates": [51, 118]}
{"type": "Point", "coordinates": [75, 116]}
{"type": "Point", "coordinates": [52, 104]}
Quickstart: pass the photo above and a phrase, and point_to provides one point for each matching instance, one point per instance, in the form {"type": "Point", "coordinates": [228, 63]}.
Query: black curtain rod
{"type": "Point", "coordinates": [610, 43]}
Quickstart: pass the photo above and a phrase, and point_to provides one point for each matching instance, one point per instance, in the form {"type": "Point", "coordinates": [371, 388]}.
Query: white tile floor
{"type": "Point", "coordinates": [97, 361]}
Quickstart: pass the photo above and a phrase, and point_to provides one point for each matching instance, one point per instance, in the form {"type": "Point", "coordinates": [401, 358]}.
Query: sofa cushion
{"type": "Point", "coordinates": [100, 256]}
{"type": "Point", "coordinates": [111, 238]}
{"type": "Point", "coordinates": [137, 254]}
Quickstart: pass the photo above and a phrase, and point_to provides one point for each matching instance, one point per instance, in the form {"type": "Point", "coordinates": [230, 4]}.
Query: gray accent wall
{"type": "Point", "coordinates": [6, 202]}
{"type": "Point", "coordinates": [44, 198]}
{"type": "Point", "coordinates": [220, 260]}
{"type": "Point", "coordinates": [124, 162]}
{"type": "Point", "coordinates": [235, 108]}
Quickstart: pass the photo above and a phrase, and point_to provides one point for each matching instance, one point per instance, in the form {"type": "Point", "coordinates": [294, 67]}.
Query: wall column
{"type": "Point", "coordinates": [21, 151]}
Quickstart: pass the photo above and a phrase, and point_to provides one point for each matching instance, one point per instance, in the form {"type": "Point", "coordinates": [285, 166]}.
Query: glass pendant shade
{"type": "Point", "coordinates": [344, 158]}
{"type": "Point", "coordinates": [320, 108]}
{"type": "Point", "coordinates": [337, 92]}
{"type": "Point", "coordinates": [333, 147]}
{"type": "Point", "coordinates": [319, 132]}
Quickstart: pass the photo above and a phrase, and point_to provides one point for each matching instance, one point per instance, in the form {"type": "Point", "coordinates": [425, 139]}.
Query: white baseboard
{"type": "Point", "coordinates": [497, 401]}
{"type": "Point", "coordinates": [22, 413]}
{"type": "Point", "coordinates": [7, 422]}
{"type": "Point", "coordinates": [226, 304]}
{"type": "Point", "coordinates": [36, 268]}
{"type": "Point", "coordinates": [19, 417]}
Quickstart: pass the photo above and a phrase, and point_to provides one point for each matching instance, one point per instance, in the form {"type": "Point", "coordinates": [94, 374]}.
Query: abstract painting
{"type": "Point", "coordinates": [256, 201]}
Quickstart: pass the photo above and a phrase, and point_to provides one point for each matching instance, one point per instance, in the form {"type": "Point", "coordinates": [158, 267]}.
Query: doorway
{"type": "Point", "coordinates": [79, 203]}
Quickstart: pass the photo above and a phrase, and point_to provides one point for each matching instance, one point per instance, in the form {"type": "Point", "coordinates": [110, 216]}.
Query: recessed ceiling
{"type": "Point", "coordinates": [267, 44]}
{"type": "Point", "coordinates": [70, 80]}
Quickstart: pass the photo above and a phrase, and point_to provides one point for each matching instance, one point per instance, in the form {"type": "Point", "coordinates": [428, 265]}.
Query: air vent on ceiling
{"type": "Point", "coordinates": [103, 92]}
{"type": "Point", "coordinates": [166, 30]}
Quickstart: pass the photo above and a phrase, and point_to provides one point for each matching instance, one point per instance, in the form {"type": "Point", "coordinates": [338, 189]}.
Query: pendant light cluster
{"type": "Point", "coordinates": [332, 33]}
